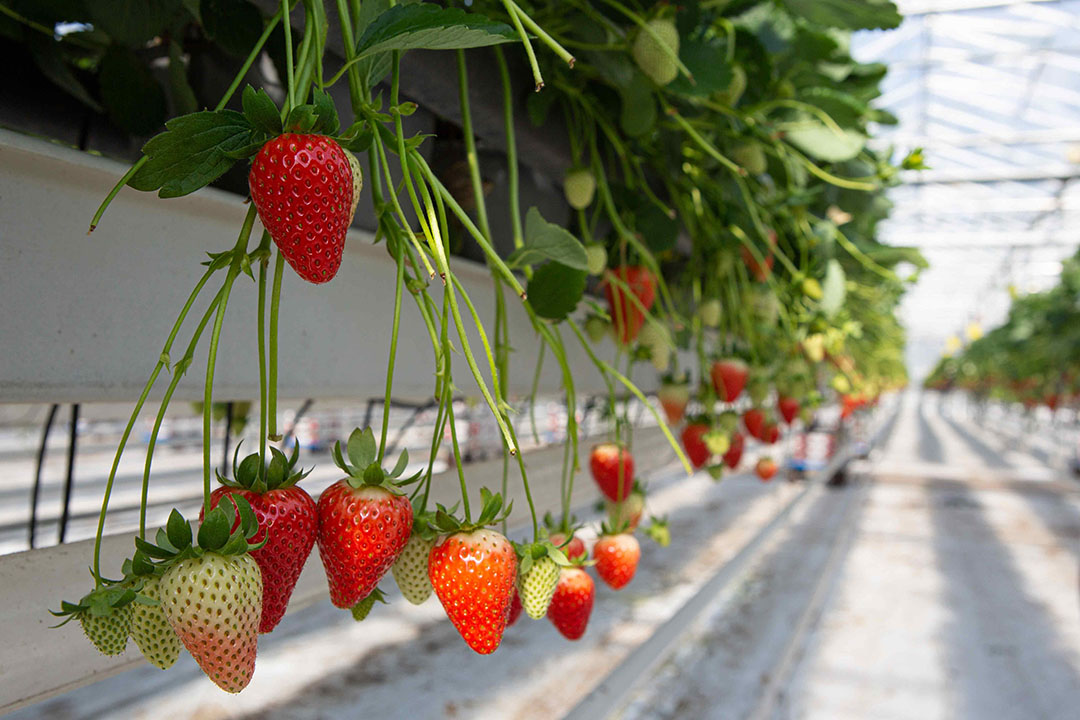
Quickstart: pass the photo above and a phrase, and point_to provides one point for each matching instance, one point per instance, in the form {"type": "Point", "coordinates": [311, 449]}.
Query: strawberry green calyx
{"type": "Point", "coordinates": [363, 468]}
{"type": "Point", "coordinates": [105, 615]}
{"type": "Point", "coordinates": [362, 609]}
{"type": "Point", "coordinates": [175, 542]}
{"type": "Point", "coordinates": [251, 474]}
{"type": "Point", "coordinates": [659, 531]}
{"type": "Point", "coordinates": [728, 421]}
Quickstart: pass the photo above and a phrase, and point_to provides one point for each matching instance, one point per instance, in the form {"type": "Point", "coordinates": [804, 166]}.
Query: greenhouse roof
{"type": "Point", "coordinates": [989, 89]}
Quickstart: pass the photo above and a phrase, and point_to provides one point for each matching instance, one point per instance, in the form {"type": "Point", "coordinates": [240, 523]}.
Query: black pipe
{"type": "Point", "coordinates": [36, 493]}
{"type": "Point", "coordinates": [73, 436]}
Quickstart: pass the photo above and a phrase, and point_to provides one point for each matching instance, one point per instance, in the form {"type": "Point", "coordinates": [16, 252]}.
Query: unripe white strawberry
{"type": "Point", "coordinates": [109, 633]}
{"type": "Point", "coordinates": [411, 569]}
{"type": "Point", "coordinates": [597, 259]}
{"type": "Point", "coordinates": [151, 630]}
{"type": "Point", "coordinates": [579, 186]}
{"type": "Point", "coordinates": [710, 312]}
{"type": "Point", "coordinates": [357, 182]}
{"type": "Point", "coordinates": [650, 55]}
{"type": "Point", "coordinates": [537, 586]}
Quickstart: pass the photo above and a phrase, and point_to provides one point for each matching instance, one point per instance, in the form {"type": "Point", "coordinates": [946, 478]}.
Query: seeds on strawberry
{"type": "Point", "coordinates": [411, 569]}
{"type": "Point", "coordinates": [151, 630]}
{"type": "Point", "coordinates": [650, 54]}
{"type": "Point", "coordinates": [616, 559]}
{"type": "Point", "coordinates": [515, 609]}
{"type": "Point", "coordinates": [572, 603]}
{"type": "Point", "coordinates": [612, 468]}
{"type": "Point", "coordinates": [109, 633]}
{"type": "Point", "coordinates": [537, 585]}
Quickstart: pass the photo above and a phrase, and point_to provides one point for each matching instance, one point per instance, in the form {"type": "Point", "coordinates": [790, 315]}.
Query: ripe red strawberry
{"type": "Point", "coordinates": [729, 378]}
{"type": "Point", "coordinates": [788, 407]}
{"type": "Point", "coordinates": [302, 186]}
{"type": "Point", "coordinates": [363, 523]}
{"type": "Point", "coordinates": [674, 398]}
{"type": "Point", "coordinates": [625, 313]}
{"type": "Point", "coordinates": [573, 549]}
{"type": "Point", "coordinates": [760, 270]}
{"type": "Point", "coordinates": [613, 470]}
{"type": "Point", "coordinates": [735, 450]}
{"type": "Point", "coordinates": [473, 573]}
{"type": "Point", "coordinates": [694, 445]}
{"type": "Point", "coordinates": [287, 518]}
{"type": "Point", "coordinates": [572, 602]}
{"type": "Point", "coordinates": [754, 420]}
{"type": "Point", "coordinates": [515, 608]}
{"type": "Point", "coordinates": [616, 558]}
{"type": "Point", "coordinates": [765, 469]}
{"type": "Point", "coordinates": [770, 433]}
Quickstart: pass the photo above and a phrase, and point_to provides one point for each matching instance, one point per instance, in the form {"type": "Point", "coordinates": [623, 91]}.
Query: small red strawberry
{"type": "Point", "coordinates": [625, 313]}
{"type": "Point", "coordinates": [754, 420]}
{"type": "Point", "coordinates": [760, 270]}
{"type": "Point", "coordinates": [674, 397]}
{"type": "Point", "coordinates": [770, 433]}
{"type": "Point", "coordinates": [613, 470]}
{"type": "Point", "coordinates": [364, 523]}
{"type": "Point", "coordinates": [473, 571]}
{"type": "Point", "coordinates": [729, 378]}
{"type": "Point", "coordinates": [616, 558]}
{"type": "Point", "coordinates": [788, 407]}
{"type": "Point", "coordinates": [694, 444]}
{"type": "Point", "coordinates": [287, 519]}
{"type": "Point", "coordinates": [573, 549]}
{"type": "Point", "coordinates": [515, 608]}
{"type": "Point", "coordinates": [302, 186]}
{"type": "Point", "coordinates": [765, 469]}
{"type": "Point", "coordinates": [572, 602]}
{"type": "Point", "coordinates": [735, 450]}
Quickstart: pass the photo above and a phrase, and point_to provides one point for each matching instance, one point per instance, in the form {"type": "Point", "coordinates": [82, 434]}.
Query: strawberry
{"type": "Point", "coordinates": [515, 608]}
{"type": "Point", "coordinates": [674, 397]}
{"type": "Point", "coordinates": [612, 468]}
{"type": "Point", "coordinates": [573, 549]}
{"type": "Point", "coordinates": [710, 312]}
{"type": "Point", "coordinates": [364, 523]}
{"type": "Point", "coordinates": [572, 602]}
{"type": "Point", "coordinates": [788, 407]}
{"type": "Point", "coordinates": [536, 584]}
{"type": "Point", "coordinates": [596, 327]}
{"type": "Point", "coordinates": [626, 315]}
{"type": "Point", "coordinates": [754, 420]}
{"type": "Point", "coordinates": [473, 571]}
{"type": "Point", "coordinates": [104, 614]}
{"type": "Point", "coordinates": [151, 630]}
{"type": "Point", "coordinates": [410, 569]}
{"type": "Point", "coordinates": [627, 512]}
{"type": "Point", "coordinates": [770, 433]}
{"type": "Point", "coordinates": [357, 183]}
{"type": "Point", "coordinates": [729, 378]}
{"type": "Point", "coordinates": [650, 55]}
{"type": "Point", "coordinates": [765, 469]}
{"type": "Point", "coordinates": [287, 520]}
{"type": "Point", "coordinates": [302, 186]}
{"type": "Point", "coordinates": [212, 593]}
{"type": "Point", "coordinates": [760, 270]}
{"type": "Point", "coordinates": [596, 259]}
{"type": "Point", "coordinates": [735, 450]}
{"type": "Point", "coordinates": [751, 156]}
{"type": "Point", "coordinates": [579, 185]}
{"type": "Point", "coordinates": [694, 445]}
{"type": "Point", "coordinates": [616, 558]}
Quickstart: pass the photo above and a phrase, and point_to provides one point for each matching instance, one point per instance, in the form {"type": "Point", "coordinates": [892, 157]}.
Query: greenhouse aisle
{"type": "Point", "coordinates": [951, 592]}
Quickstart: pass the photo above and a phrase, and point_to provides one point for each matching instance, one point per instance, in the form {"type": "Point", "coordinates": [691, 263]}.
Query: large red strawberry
{"type": "Point", "coordinates": [729, 378]}
{"type": "Point", "coordinates": [760, 270]}
{"type": "Point", "coordinates": [625, 313]}
{"type": "Point", "coordinates": [694, 444]}
{"type": "Point", "coordinates": [735, 450]}
{"type": "Point", "coordinates": [287, 519]}
{"type": "Point", "coordinates": [572, 602]}
{"type": "Point", "coordinates": [364, 523]}
{"type": "Point", "coordinates": [613, 470]}
{"type": "Point", "coordinates": [788, 407]}
{"type": "Point", "coordinates": [616, 556]}
{"type": "Point", "coordinates": [754, 420]}
{"type": "Point", "coordinates": [473, 571]}
{"type": "Point", "coordinates": [765, 469]}
{"type": "Point", "coordinates": [573, 549]}
{"type": "Point", "coordinates": [674, 397]}
{"type": "Point", "coordinates": [302, 186]}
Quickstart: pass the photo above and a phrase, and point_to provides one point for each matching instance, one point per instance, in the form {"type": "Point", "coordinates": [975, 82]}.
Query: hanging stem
{"type": "Point", "coordinates": [264, 260]}
{"type": "Point", "coordinates": [399, 282]}
{"type": "Point", "coordinates": [275, 302]}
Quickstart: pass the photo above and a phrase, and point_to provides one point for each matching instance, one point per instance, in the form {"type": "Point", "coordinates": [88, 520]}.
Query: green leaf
{"type": "Point", "coordinates": [846, 110]}
{"type": "Point", "coordinates": [555, 290]}
{"type": "Point", "coordinates": [301, 119]}
{"type": "Point", "coordinates": [234, 24]}
{"type": "Point", "coordinates": [832, 288]}
{"type": "Point", "coordinates": [133, 99]}
{"type": "Point", "coordinates": [638, 114]}
{"type": "Point", "coordinates": [191, 152]}
{"type": "Point", "coordinates": [178, 530]}
{"type": "Point", "coordinates": [706, 59]}
{"type": "Point", "coordinates": [430, 27]}
{"type": "Point", "coordinates": [215, 529]}
{"type": "Point", "coordinates": [132, 22]}
{"type": "Point", "coordinates": [261, 111]}
{"type": "Point", "coordinates": [328, 123]}
{"type": "Point", "coordinates": [153, 550]}
{"type": "Point", "coordinates": [183, 96]}
{"type": "Point", "coordinates": [276, 472]}
{"type": "Point", "coordinates": [402, 463]}
{"type": "Point", "coordinates": [659, 231]}
{"type": "Point", "coordinates": [548, 241]}
{"type": "Point", "coordinates": [824, 143]}
{"type": "Point", "coordinates": [847, 14]}
{"type": "Point", "coordinates": [361, 447]}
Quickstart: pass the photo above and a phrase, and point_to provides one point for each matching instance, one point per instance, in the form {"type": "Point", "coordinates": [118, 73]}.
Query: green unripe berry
{"type": "Point", "coordinates": [710, 312]}
{"type": "Point", "coordinates": [597, 259]}
{"type": "Point", "coordinates": [751, 157]}
{"type": "Point", "coordinates": [650, 55]}
{"type": "Point", "coordinates": [580, 187]}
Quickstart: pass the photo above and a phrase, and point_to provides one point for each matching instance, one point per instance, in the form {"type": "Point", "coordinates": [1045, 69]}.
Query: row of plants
{"type": "Point", "coordinates": [725, 206]}
{"type": "Point", "coordinates": [1031, 358]}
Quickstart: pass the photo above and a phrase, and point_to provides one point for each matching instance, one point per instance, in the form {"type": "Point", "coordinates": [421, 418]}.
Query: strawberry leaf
{"type": "Point", "coordinates": [301, 119]}
{"type": "Point", "coordinates": [555, 289]}
{"type": "Point", "coordinates": [402, 462]}
{"type": "Point", "coordinates": [178, 530]}
{"type": "Point", "coordinates": [214, 531]}
{"type": "Point", "coordinates": [361, 447]}
{"type": "Point", "coordinates": [430, 27]}
{"type": "Point", "coordinates": [261, 112]}
{"type": "Point", "coordinates": [192, 152]}
{"type": "Point", "coordinates": [548, 241]}
{"type": "Point", "coordinates": [328, 122]}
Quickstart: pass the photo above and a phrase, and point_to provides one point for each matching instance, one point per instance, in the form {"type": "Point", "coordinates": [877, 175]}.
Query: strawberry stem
{"type": "Point", "coordinates": [399, 258]}
{"type": "Point", "coordinates": [275, 302]}
{"type": "Point", "coordinates": [264, 261]}
{"type": "Point", "coordinates": [287, 26]}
